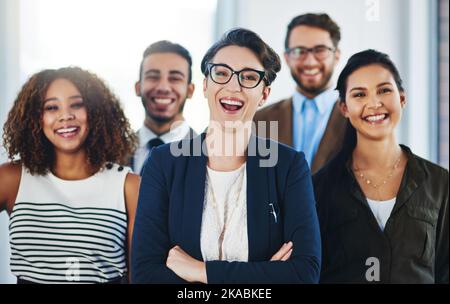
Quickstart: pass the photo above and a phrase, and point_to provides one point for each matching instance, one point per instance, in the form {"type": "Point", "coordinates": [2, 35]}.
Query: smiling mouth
{"type": "Point", "coordinates": [231, 105]}
{"type": "Point", "coordinates": [68, 132]}
{"type": "Point", "coordinates": [162, 101]}
{"type": "Point", "coordinates": [376, 119]}
{"type": "Point", "coordinates": [311, 72]}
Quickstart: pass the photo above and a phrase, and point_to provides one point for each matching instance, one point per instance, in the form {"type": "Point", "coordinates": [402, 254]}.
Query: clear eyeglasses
{"type": "Point", "coordinates": [320, 52]}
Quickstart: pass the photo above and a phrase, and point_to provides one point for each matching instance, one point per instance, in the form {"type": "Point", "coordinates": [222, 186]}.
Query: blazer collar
{"type": "Point", "coordinates": [413, 176]}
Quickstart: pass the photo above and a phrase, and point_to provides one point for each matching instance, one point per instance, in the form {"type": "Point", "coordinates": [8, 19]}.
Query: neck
{"type": "Point", "coordinates": [376, 154]}
{"type": "Point", "coordinates": [311, 95]}
{"type": "Point", "coordinates": [160, 128]}
{"type": "Point", "coordinates": [227, 148]}
{"type": "Point", "coordinates": [72, 166]}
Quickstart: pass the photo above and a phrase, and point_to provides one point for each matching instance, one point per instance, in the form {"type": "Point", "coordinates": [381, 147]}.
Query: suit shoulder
{"type": "Point", "coordinates": [328, 173]}
{"type": "Point", "coordinates": [434, 171]}
{"type": "Point", "coordinates": [272, 108]}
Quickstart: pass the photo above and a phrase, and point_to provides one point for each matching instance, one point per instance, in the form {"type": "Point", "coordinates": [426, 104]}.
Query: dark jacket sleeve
{"type": "Point", "coordinates": [442, 240]}
{"type": "Point", "coordinates": [151, 243]}
{"type": "Point", "coordinates": [300, 226]}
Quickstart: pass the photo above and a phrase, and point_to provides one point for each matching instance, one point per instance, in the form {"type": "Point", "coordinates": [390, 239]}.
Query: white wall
{"type": "Point", "coordinates": [399, 28]}
{"type": "Point", "coordinates": [9, 86]}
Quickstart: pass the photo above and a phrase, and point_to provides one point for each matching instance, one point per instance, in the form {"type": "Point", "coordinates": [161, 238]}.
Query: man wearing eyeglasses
{"type": "Point", "coordinates": [310, 120]}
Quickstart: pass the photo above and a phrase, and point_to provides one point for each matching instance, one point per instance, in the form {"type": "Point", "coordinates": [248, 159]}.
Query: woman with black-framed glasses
{"type": "Point", "coordinates": [238, 212]}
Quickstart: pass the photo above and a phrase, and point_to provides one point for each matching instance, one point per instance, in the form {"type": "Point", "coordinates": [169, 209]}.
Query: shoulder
{"type": "Point", "coordinates": [284, 157]}
{"type": "Point", "coordinates": [113, 169]}
{"type": "Point", "coordinates": [10, 174]}
{"type": "Point", "coordinates": [275, 107]}
{"type": "Point", "coordinates": [330, 173]}
{"type": "Point", "coordinates": [132, 181]}
{"type": "Point", "coordinates": [433, 172]}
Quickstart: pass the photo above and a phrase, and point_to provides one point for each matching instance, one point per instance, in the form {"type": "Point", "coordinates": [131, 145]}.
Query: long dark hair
{"type": "Point", "coordinates": [357, 61]}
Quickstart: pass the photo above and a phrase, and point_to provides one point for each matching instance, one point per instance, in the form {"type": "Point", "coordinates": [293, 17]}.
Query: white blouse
{"type": "Point", "coordinates": [225, 190]}
{"type": "Point", "coordinates": [381, 210]}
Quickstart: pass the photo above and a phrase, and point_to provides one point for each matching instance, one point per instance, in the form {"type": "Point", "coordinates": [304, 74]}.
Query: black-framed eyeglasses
{"type": "Point", "coordinates": [321, 52]}
{"type": "Point", "coordinates": [248, 78]}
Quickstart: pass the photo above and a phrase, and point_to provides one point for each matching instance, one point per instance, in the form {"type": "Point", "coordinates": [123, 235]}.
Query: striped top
{"type": "Point", "coordinates": [70, 231]}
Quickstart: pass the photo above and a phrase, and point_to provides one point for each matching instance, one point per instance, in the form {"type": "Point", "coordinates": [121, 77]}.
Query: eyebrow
{"type": "Point", "coordinates": [171, 72]}
{"type": "Point", "coordinates": [56, 99]}
{"type": "Point", "coordinates": [246, 68]}
{"type": "Point", "coordinates": [379, 85]}
{"type": "Point", "coordinates": [305, 47]}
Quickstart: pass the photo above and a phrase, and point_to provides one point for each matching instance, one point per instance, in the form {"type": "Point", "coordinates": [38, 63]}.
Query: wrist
{"type": "Point", "coordinates": [202, 277]}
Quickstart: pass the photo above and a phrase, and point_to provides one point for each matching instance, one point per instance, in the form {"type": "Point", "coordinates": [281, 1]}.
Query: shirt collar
{"type": "Point", "coordinates": [176, 133]}
{"type": "Point", "coordinates": [324, 101]}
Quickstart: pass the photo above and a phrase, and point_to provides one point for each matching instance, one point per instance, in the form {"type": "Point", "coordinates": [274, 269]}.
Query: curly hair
{"type": "Point", "coordinates": [110, 137]}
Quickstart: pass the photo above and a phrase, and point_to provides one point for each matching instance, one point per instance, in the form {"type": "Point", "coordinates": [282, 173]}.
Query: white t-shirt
{"type": "Point", "coordinates": [381, 210]}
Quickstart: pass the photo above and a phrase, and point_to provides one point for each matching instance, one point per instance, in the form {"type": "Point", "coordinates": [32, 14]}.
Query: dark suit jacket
{"type": "Point", "coordinates": [330, 143]}
{"type": "Point", "coordinates": [170, 211]}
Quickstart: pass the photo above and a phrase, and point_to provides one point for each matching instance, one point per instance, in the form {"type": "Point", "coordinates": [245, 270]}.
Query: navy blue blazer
{"type": "Point", "coordinates": [170, 208]}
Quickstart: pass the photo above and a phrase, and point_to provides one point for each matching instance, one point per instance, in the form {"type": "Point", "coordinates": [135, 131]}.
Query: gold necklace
{"type": "Point", "coordinates": [226, 218]}
{"type": "Point", "coordinates": [370, 182]}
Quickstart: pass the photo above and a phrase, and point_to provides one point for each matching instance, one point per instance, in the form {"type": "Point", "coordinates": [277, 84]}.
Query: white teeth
{"type": "Point", "coordinates": [66, 130]}
{"type": "Point", "coordinates": [232, 102]}
{"type": "Point", "coordinates": [164, 101]}
{"type": "Point", "coordinates": [376, 117]}
{"type": "Point", "coordinates": [311, 72]}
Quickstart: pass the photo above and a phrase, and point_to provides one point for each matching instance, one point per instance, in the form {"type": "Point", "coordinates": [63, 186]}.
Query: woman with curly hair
{"type": "Point", "coordinates": [71, 203]}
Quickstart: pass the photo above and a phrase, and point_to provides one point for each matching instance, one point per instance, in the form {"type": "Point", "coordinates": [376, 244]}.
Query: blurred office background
{"type": "Point", "coordinates": [108, 37]}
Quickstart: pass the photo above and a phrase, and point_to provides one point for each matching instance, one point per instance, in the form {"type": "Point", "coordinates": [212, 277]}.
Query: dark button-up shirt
{"type": "Point", "coordinates": [413, 248]}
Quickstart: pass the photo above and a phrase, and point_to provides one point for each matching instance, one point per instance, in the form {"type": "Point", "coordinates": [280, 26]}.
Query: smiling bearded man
{"type": "Point", "coordinates": [310, 120]}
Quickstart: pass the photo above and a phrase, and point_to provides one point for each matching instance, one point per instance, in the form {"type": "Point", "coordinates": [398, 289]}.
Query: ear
{"type": "Point", "coordinates": [205, 85]}
{"type": "Point", "coordinates": [286, 57]}
{"type": "Point", "coordinates": [402, 99]}
{"type": "Point", "coordinates": [343, 108]}
{"type": "Point", "coordinates": [190, 90]}
{"type": "Point", "coordinates": [137, 88]}
{"type": "Point", "coordinates": [266, 92]}
{"type": "Point", "coordinates": [337, 55]}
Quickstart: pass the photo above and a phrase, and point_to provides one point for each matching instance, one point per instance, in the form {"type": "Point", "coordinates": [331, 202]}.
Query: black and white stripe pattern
{"type": "Point", "coordinates": [55, 243]}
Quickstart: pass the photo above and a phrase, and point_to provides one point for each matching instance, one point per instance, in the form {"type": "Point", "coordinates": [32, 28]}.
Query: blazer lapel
{"type": "Point", "coordinates": [257, 208]}
{"type": "Point", "coordinates": [331, 141]}
{"type": "Point", "coordinates": [285, 123]}
{"type": "Point", "coordinates": [194, 195]}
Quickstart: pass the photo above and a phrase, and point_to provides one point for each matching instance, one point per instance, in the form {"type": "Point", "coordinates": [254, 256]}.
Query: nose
{"type": "Point", "coordinates": [66, 114]}
{"type": "Point", "coordinates": [310, 59]}
{"type": "Point", "coordinates": [233, 85]}
{"type": "Point", "coordinates": [375, 103]}
{"type": "Point", "coordinates": [163, 86]}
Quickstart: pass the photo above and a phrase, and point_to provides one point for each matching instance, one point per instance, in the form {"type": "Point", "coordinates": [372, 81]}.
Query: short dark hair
{"type": "Point", "coordinates": [322, 21]}
{"type": "Point", "coordinates": [246, 38]}
{"type": "Point", "coordinates": [165, 46]}
{"type": "Point", "coordinates": [362, 59]}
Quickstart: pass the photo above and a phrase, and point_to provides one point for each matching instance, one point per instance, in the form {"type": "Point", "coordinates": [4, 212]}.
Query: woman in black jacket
{"type": "Point", "coordinates": [383, 211]}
